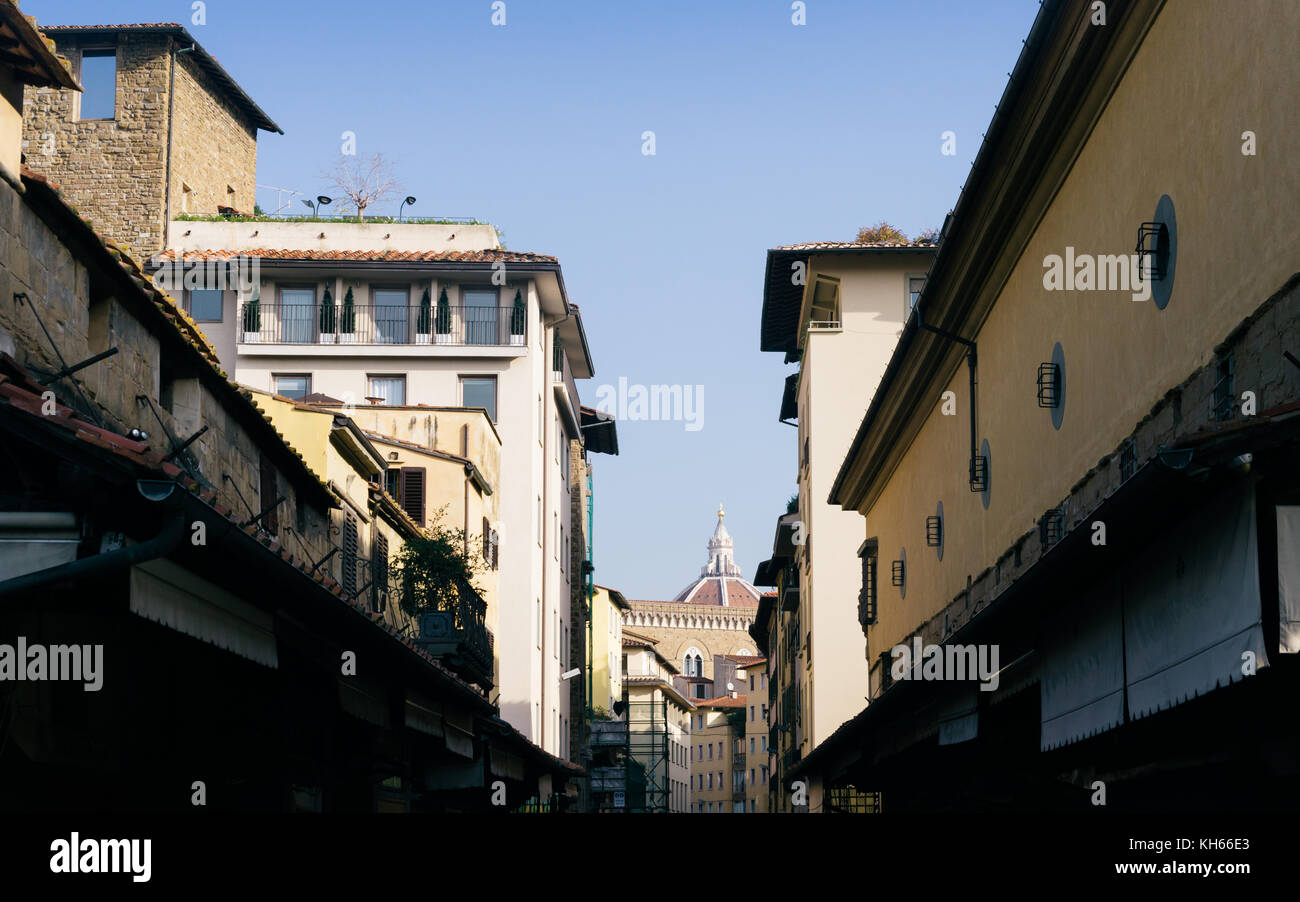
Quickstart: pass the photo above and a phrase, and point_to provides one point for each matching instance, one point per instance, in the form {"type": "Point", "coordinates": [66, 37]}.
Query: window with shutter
{"type": "Point", "coordinates": [271, 519]}
{"type": "Point", "coordinates": [412, 489]}
{"type": "Point", "coordinates": [379, 563]}
{"type": "Point", "coordinates": [487, 541]}
{"type": "Point", "coordinates": [393, 484]}
{"type": "Point", "coordinates": [349, 576]}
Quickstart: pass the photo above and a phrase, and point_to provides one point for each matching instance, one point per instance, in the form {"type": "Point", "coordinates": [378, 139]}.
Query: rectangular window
{"type": "Point", "coordinates": [867, 594]}
{"type": "Point", "coordinates": [825, 304]}
{"type": "Point", "coordinates": [379, 569]}
{"type": "Point", "coordinates": [539, 623]}
{"type": "Point", "coordinates": [389, 389]}
{"type": "Point", "coordinates": [483, 322]}
{"type": "Point", "coordinates": [296, 317]}
{"type": "Point", "coordinates": [915, 284]}
{"type": "Point", "coordinates": [392, 315]}
{"type": "Point", "coordinates": [710, 751]}
{"type": "Point", "coordinates": [480, 391]}
{"type": "Point", "coordinates": [350, 542]}
{"type": "Point", "coordinates": [295, 386]}
{"type": "Point", "coordinates": [206, 304]}
{"type": "Point", "coordinates": [99, 83]}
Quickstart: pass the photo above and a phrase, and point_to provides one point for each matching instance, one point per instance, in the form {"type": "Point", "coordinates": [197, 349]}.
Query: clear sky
{"type": "Point", "coordinates": [766, 133]}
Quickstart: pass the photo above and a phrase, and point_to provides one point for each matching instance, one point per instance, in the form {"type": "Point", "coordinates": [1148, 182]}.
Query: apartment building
{"type": "Point", "coordinates": [1100, 541]}
{"type": "Point", "coordinates": [658, 721]}
{"type": "Point", "coordinates": [152, 510]}
{"type": "Point", "coordinates": [385, 317]}
{"type": "Point", "coordinates": [836, 309]}
{"type": "Point", "coordinates": [158, 118]}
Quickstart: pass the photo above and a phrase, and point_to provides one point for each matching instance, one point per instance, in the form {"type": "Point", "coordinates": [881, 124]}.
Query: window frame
{"type": "Point", "coordinates": [221, 306]}
{"type": "Point", "coordinates": [481, 377]}
{"type": "Point", "coordinates": [275, 384]}
{"type": "Point", "coordinates": [908, 306]}
{"type": "Point", "coordinates": [96, 51]}
{"type": "Point", "coordinates": [370, 392]}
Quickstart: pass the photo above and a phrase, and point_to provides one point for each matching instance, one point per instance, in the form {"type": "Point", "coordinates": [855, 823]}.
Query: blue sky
{"type": "Point", "coordinates": [766, 133]}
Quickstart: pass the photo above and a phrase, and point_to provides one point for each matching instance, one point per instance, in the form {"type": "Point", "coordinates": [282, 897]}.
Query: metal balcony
{"type": "Point", "coordinates": [456, 631]}
{"type": "Point", "coordinates": [307, 324]}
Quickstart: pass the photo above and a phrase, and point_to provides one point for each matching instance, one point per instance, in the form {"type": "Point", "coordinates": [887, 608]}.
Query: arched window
{"type": "Point", "coordinates": [694, 663]}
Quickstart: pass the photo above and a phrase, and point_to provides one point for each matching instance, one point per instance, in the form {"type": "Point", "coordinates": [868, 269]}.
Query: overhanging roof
{"type": "Point", "coordinates": [29, 52]}
{"type": "Point", "coordinates": [1059, 87]}
{"type": "Point", "coordinates": [204, 59]}
{"type": "Point", "coordinates": [599, 430]}
{"type": "Point", "coordinates": [782, 297]}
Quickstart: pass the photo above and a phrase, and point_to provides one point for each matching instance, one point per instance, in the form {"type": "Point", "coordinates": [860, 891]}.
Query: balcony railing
{"type": "Point", "coordinates": [562, 376]}
{"type": "Point", "coordinates": [457, 632]}
{"type": "Point", "coordinates": [305, 324]}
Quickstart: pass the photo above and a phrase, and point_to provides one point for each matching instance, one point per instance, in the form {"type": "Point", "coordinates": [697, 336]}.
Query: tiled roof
{"type": "Point", "coordinates": [41, 190]}
{"type": "Point", "coordinates": [205, 60]}
{"type": "Point", "coordinates": [31, 54]}
{"type": "Point", "coordinates": [722, 701]}
{"type": "Point", "coordinates": [21, 393]}
{"type": "Point", "coordinates": [852, 245]}
{"type": "Point", "coordinates": [745, 660]}
{"type": "Point", "coordinates": [492, 255]}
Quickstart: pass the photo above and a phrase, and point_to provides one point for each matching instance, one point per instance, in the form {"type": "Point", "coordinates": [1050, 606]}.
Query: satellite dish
{"type": "Point", "coordinates": [731, 687]}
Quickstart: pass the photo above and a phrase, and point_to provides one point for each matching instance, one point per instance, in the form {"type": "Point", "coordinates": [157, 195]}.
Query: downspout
{"type": "Point", "coordinates": [970, 364]}
{"type": "Point", "coordinates": [167, 541]}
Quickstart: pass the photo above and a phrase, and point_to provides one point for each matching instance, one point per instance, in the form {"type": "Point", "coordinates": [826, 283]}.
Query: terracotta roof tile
{"type": "Point", "coordinates": [492, 255]}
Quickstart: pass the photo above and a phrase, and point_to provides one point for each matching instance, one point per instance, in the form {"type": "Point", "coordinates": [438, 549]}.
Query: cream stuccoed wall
{"type": "Point", "coordinates": [1238, 243]}
{"type": "Point", "coordinates": [838, 375]}
{"type": "Point", "coordinates": [185, 235]}
{"type": "Point", "coordinates": [534, 582]}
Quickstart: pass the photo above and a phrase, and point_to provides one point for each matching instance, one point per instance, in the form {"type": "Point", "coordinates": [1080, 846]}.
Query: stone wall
{"type": "Point", "coordinates": [151, 383]}
{"type": "Point", "coordinates": [115, 171]}
{"type": "Point", "coordinates": [112, 171]}
{"type": "Point", "coordinates": [214, 146]}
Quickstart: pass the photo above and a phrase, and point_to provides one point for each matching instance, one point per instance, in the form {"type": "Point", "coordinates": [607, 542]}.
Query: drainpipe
{"type": "Point", "coordinates": [167, 541]}
{"type": "Point", "coordinates": [970, 364]}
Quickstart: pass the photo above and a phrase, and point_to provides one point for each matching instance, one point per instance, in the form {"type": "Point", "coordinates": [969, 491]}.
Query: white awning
{"type": "Point", "coordinates": [959, 715]}
{"type": "Point", "coordinates": [1191, 612]}
{"type": "Point", "coordinates": [1081, 676]}
{"type": "Point", "coordinates": [173, 596]}
{"type": "Point", "coordinates": [1288, 577]}
{"type": "Point", "coordinates": [1192, 609]}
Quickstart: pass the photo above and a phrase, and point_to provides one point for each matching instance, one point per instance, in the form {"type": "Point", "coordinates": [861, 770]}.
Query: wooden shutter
{"type": "Point", "coordinates": [379, 566]}
{"type": "Point", "coordinates": [487, 541]}
{"type": "Point", "coordinates": [349, 576]}
{"type": "Point", "coordinates": [271, 519]}
{"type": "Point", "coordinates": [412, 500]}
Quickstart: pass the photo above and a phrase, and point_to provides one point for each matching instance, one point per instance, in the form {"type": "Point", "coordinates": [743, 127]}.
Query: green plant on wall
{"type": "Point", "coordinates": [328, 313]}
{"type": "Point", "coordinates": [424, 320]}
{"type": "Point", "coordinates": [431, 568]}
{"type": "Point", "coordinates": [444, 313]}
{"type": "Point", "coordinates": [253, 314]}
{"type": "Point", "coordinates": [517, 315]}
{"type": "Point", "coordinates": [349, 324]}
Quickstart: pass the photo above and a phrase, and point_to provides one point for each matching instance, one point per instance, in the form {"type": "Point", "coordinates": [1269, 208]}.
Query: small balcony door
{"type": "Point", "coordinates": [391, 307]}
{"type": "Point", "coordinates": [481, 316]}
{"type": "Point", "coordinates": [297, 315]}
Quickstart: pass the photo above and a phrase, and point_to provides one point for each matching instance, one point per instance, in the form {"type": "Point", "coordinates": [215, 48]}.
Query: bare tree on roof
{"type": "Point", "coordinates": [363, 181]}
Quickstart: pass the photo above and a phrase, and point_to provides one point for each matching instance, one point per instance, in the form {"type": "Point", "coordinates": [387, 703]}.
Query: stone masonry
{"type": "Point", "coordinates": [115, 171]}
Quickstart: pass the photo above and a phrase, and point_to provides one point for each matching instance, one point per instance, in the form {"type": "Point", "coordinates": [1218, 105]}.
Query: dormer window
{"type": "Point", "coordinates": [825, 304]}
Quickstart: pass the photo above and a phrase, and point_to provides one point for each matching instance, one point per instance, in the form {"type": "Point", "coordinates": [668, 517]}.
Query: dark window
{"type": "Point", "coordinates": [393, 483]}
{"type": "Point", "coordinates": [99, 84]}
{"type": "Point", "coordinates": [205, 304]}
{"type": "Point", "coordinates": [268, 493]}
{"type": "Point", "coordinates": [487, 541]}
{"type": "Point", "coordinates": [349, 575]}
{"type": "Point", "coordinates": [379, 566]}
{"type": "Point", "coordinates": [1224, 396]}
{"type": "Point", "coordinates": [480, 391]}
{"type": "Point", "coordinates": [411, 498]}
{"type": "Point", "coordinates": [293, 386]}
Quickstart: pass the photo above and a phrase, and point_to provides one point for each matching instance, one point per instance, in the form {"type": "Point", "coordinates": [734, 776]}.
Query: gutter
{"type": "Point", "coordinates": [163, 544]}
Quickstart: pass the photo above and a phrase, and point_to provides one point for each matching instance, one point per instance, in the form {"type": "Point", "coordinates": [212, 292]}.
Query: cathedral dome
{"type": "Point", "coordinates": [720, 582]}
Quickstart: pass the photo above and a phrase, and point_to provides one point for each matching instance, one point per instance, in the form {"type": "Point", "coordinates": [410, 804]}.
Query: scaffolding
{"type": "Point", "coordinates": [631, 757]}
